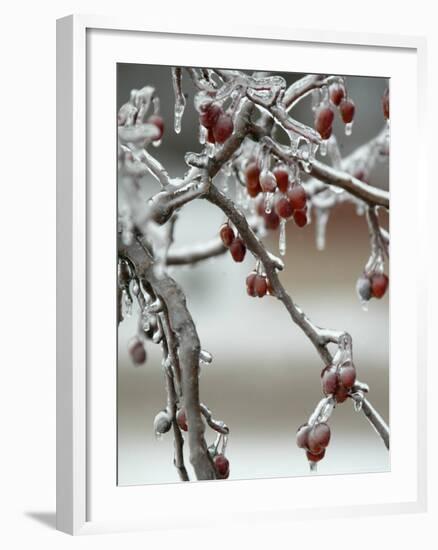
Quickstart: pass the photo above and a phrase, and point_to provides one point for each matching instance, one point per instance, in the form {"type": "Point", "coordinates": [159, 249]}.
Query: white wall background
{"type": "Point", "coordinates": [27, 398]}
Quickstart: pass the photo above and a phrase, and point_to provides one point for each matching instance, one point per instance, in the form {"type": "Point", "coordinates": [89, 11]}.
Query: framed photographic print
{"type": "Point", "coordinates": [234, 212]}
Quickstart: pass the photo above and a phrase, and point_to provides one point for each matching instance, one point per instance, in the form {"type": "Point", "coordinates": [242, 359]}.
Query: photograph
{"type": "Point", "coordinates": [252, 275]}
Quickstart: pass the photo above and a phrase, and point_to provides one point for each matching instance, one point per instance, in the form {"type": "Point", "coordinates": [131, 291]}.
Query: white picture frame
{"type": "Point", "coordinates": [81, 486]}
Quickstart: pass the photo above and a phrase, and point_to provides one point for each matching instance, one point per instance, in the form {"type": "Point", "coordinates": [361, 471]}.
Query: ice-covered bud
{"type": "Point", "coordinates": [157, 121]}
{"type": "Point", "coordinates": [337, 93]}
{"type": "Point", "coordinates": [162, 422]}
{"type": "Point", "coordinates": [209, 113]}
{"type": "Point", "coordinates": [222, 466]}
{"type": "Point", "coordinates": [238, 250]}
{"type": "Point", "coordinates": [323, 121]}
{"type": "Point", "coordinates": [379, 284]}
{"type": "Point", "coordinates": [181, 418]}
{"type": "Point", "coordinates": [223, 128]}
{"type": "Point", "coordinates": [268, 182]}
{"type": "Point", "coordinates": [318, 438]}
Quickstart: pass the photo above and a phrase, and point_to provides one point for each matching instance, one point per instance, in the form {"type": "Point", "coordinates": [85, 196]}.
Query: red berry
{"type": "Point", "coordinates": [315, 457]}
{"type": "Point", "coordinates": [272, 221]}
{"type": "Point", "coordinates": [341, 394]}
{"type": "Point", "coordinates": [300, 218]}
{"type": "Point", "coordinates": [250, 280]}
{"type": "Point", "coordinates": [319, 438]}
{"type": "Point", "coordinates": [283, 208]}
{"type": "Point", "coordinates": [223, 128]}
{"type": "Point", "coordinates": [252, 174]}
{"type": "Point", "coordinates": [302, 436]}
{"type": "Point", "coordinates": [323, 121]}
{"type": "Point", "coordinates": [238, 250]}
{"type": "Point", "coordinates": [297, 197]}
{"type": "Point", "coordinates": [379, 284]}
{"type": "Point", "coordinates": [210, 114]}
{"type": "Point", "coordinates": [329, 380]}
{"type": "Point", "coordinates": [182, 419]}
{"type": "Point", "coordinates": [137, 352]}
{"type": "Point", "coordinates": [260, 286]}
{"type": "Point", "coordinates": [347, 376]}
{"type": "Point", "coordinates": [210, 136]}
{"type": "Point", "coordinates": [385, 104]}
{"type": "Point", "coordinates": [282, 178]}
{"type": "Point", "coordinates": [347, 110]}
{"type": "Point", "coordinates": [222, 466]}
{"type": "Point", "coordinates": [253, 192]}
{"type": "Point", "coordinates": [337, 93]}
{"type": "Point", "coordinates": [159, 123]}
{"type": "Point", "coordinates": [226, 234]}
{"type": "Point", "coordinates": [268, 182]}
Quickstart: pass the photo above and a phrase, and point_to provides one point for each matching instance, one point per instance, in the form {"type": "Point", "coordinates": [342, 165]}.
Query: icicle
{"type": "Point", "coordinates": [322, 216]}
{"type": "Point", "coordinates": [282, 237]}
{"type": "Point", "coordinates": [313, 466]}
{"type": "Point", "coordinates": [157, 142]}
{"type": "Point", "coordinates": [348, 128]}
{"type": "Point", "coordinates": [269, 198]}
{"type": "Point", "coordinates": [126, 304]}
{"type": "Point", "coordinates": [358, 405]}
{"type": "Point", "coordinates": [316, 99]}
{"type": "Point", "coordinates": [202, 134]}
{"type": "Point", "coordinates": [205, 357]}
{"type": "Point", "coordinates": [323, 147]}
{"type": "Point", "coordinates": [180, 100]}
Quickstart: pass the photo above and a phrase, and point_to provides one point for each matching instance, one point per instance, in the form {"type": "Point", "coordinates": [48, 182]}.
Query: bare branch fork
{"type": "Point", "coordinates": [148, 251]}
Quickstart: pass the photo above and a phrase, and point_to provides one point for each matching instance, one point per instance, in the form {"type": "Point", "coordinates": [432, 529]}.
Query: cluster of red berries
{"type": "Point", "coordinates": [314, 439]}
{"type": "Point", "coordinates": [234, 243]}
{"type": "Point", "coordinates": [218, 123]}
{"type": "Point", "coordinates": [372, 285]}
{"type": "Point", "coordinates": [290, 200]}
{"type": "Point", "coordinates": [338, 381]}
{"type": "Point", "coordinates": [258, 285]}
{"type": "Point", "coordinates": [324, 115]}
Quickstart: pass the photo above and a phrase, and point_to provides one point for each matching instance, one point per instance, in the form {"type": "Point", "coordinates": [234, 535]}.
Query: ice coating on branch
{"type": "Point", "coordinates": [180, 100]}
{"type": "Point", "coordinates": [349, 128]}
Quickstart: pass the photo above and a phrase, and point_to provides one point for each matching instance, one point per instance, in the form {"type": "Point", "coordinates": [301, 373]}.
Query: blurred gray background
{"type": "Point", "coordinates": [265, 378]}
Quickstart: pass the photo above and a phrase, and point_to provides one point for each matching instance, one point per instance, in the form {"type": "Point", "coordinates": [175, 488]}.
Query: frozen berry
{"type": "Point", "coordinates": [329, 379]}
{"type": "Point", "coordinates": [347, 110]}
{"type": "Point", "coordinates": [222, 466]}
{"type": "Point", "coordinates": [323, 121]}
{"type": "Point", "coordinates": [302, 436]}
{"type": "Point", "coordinates": [209, 115]}
{"type": "Point", "coordinates": [337, 93]}
{"type": "Point", "coordinates": [300, 218]}
{"type": "Point", "coordinates": [379, 284]}
{"type": "Point", "coordinates": [223, 128]}
{"type": "Point", "coordinates": [385, 104]}
{"type": "Point", "coordinates": [341, 394]}
{"type": "Point", "coordinates": [315, 457]}
{"type": "Point", "coordinates": [159, 123]}
{"type": "Point", "coordinates": [226, 234]}
{"type": "Point", "coordinates": [319, 438]}
{"type": "Point", "coordinates": [272, 221]}
{"type": "Point", "coordinates": [182, 419]}
{"type": "Point", "coordinates": [252, 175]}
{"type": "Point", "coordinates": [283, 207]}
{"type": "Point", "coordinates": [137, 352]}
{"type": "Point", "coordinates": [260, 286]}
{"type": "Point", "coordinates": [250, 282]}
{"type": "Point", "coordinates": [282, 177]}
{"type": "Point", "coordinates": [268, 182]}
{"type": "Point", "coordinates": [363, 288]}
{"type": "Point", "coordinates": [297, 197]}
{"type": "Point", "coordinates": [347, 376]}
{"type": "Point", "coordinates": [238, 250]}
{"type": "Point", "coordinates": [210, 136]}
{"type": "Point", "coordinates": [162, 422]}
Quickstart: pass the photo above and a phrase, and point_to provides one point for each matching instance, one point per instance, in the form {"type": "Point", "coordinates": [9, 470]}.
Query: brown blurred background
{"type": "Point", "coordinates": [265, 378]}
